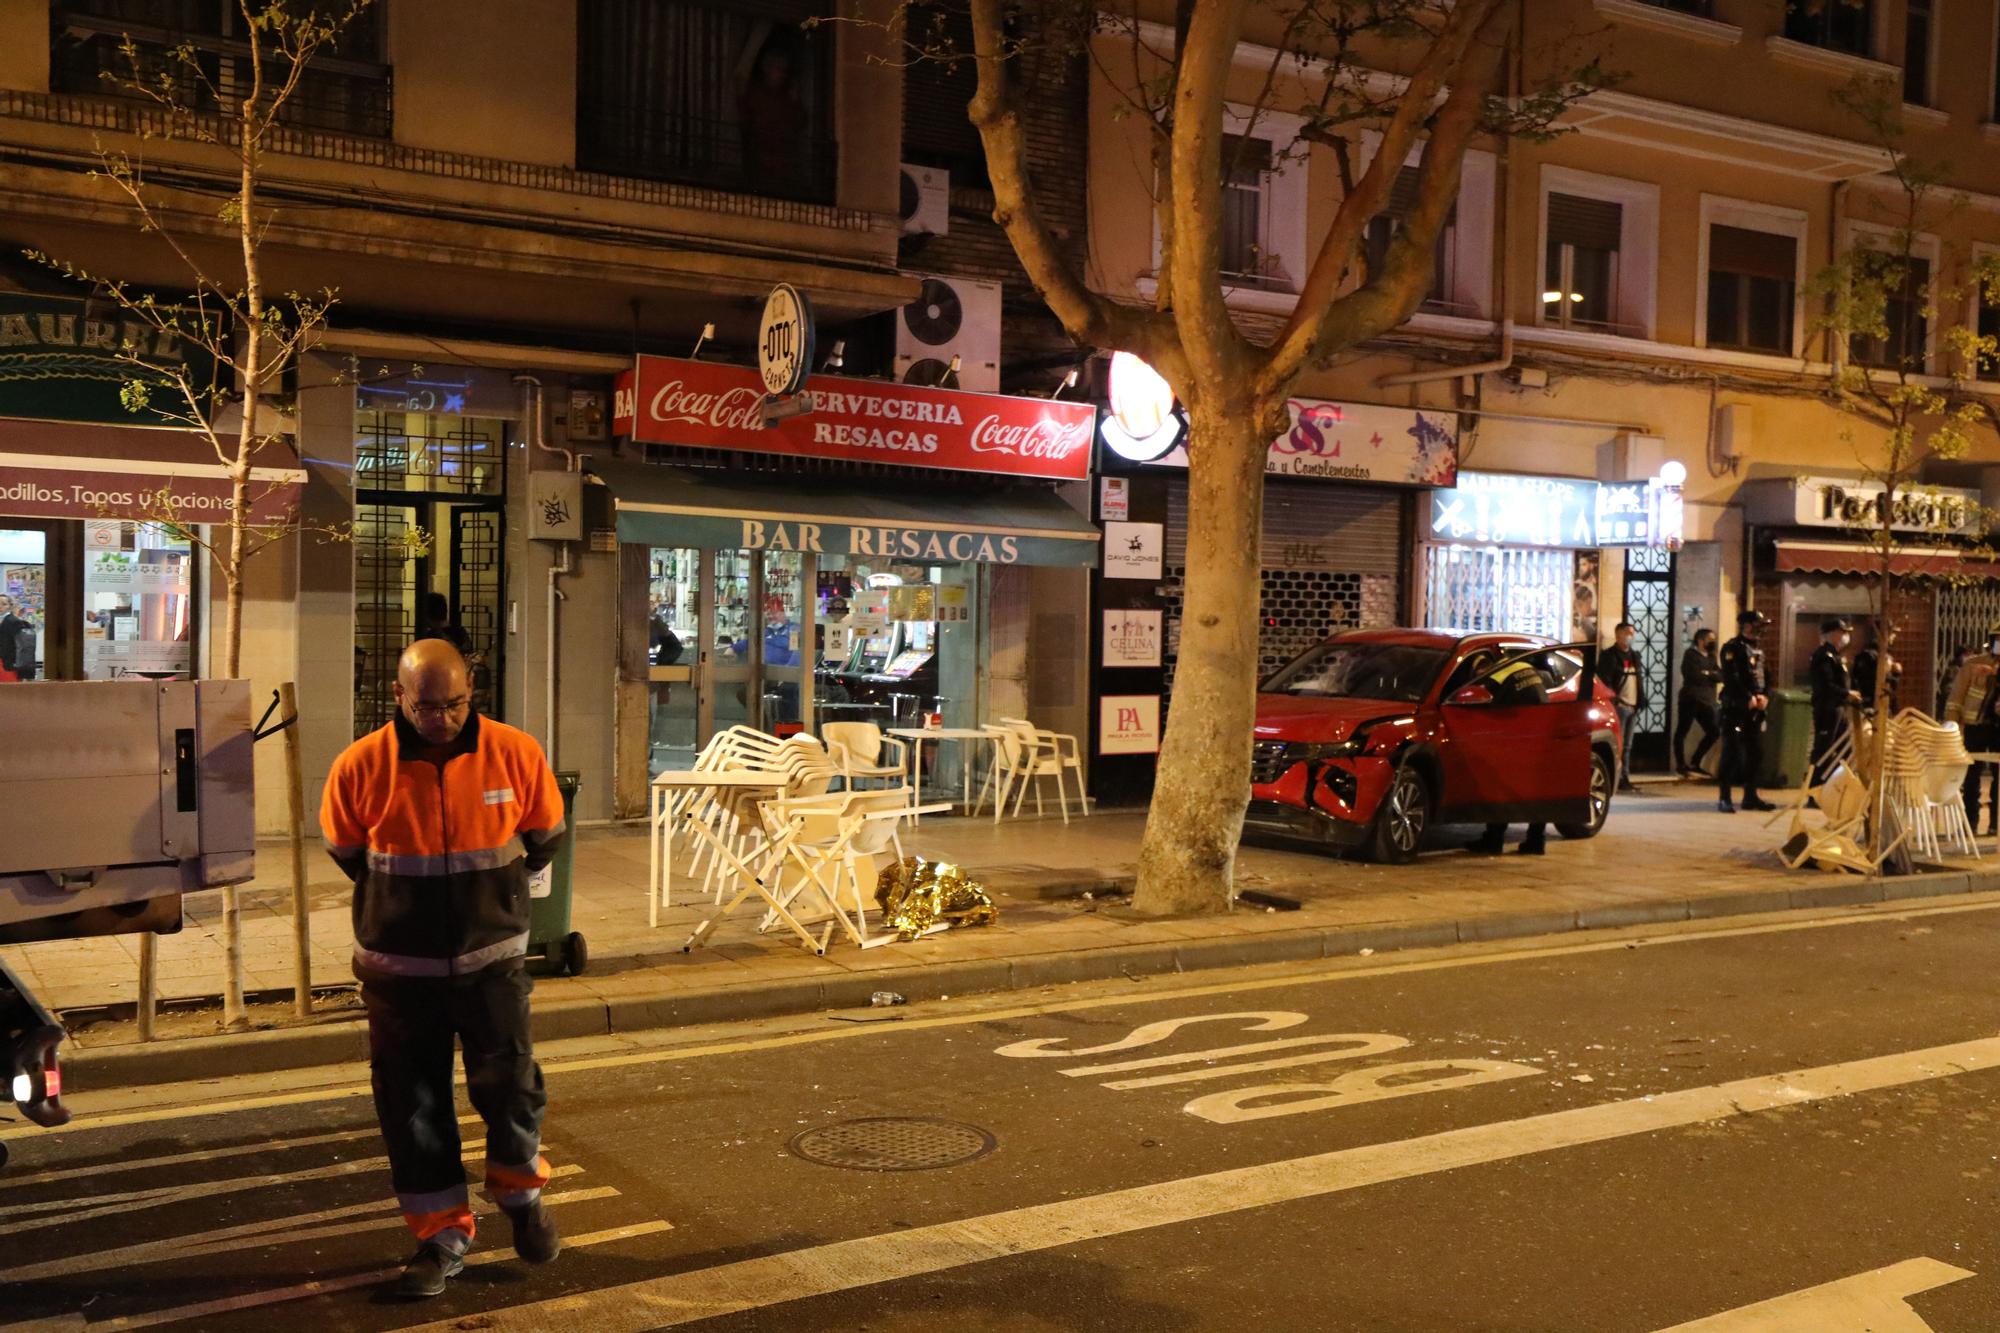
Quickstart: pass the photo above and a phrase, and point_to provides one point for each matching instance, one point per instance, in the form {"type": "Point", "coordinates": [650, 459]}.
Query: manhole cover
{"type": "Point", "coordinates": [893, 1143]}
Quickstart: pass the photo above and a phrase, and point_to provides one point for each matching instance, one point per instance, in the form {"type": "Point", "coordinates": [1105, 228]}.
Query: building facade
{"type": "Point", "coordinates": [1620, 317]}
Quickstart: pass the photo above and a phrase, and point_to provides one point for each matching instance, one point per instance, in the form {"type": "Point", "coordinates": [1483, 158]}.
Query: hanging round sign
{"type": "Point", "coordinates": [785, 341]}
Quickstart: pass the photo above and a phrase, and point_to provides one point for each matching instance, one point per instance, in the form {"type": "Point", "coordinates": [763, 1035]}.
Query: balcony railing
{"type": "Point", "coordinates": [714, 153]}
{"type": "Point", "coordinates": [335, 95]}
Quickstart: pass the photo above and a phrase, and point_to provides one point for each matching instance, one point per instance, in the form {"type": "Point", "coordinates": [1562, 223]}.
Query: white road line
{"type": "Point", "coordinates": [210, 1106]}
{"type": "Point", "coordinates": [185, 1158]}
{"type": "Point", "coordinates": [754, 1284]}
{"type": "Point", "coordinates": [1874, 1302]}
{"type": "Point", "coordinates": [244, 1236]}
{"type": "Point", "coordinates": [228, 1305]}
{"type": "Point", "coordinates": [104, 1205]}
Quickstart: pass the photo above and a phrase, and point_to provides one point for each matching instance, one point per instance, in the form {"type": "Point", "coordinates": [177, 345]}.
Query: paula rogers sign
{"type": "Point", "coordinates": [711, 406]}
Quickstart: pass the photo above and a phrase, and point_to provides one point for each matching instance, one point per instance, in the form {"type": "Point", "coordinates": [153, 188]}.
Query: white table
{"type": "Point", "coordinates": [660, 839]}
{"type": "Point", "coordinates": [917, 736]}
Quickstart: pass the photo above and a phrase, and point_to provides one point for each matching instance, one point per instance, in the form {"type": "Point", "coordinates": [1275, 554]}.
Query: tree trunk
{"type": "Point", "coordinates": [1187, 861]}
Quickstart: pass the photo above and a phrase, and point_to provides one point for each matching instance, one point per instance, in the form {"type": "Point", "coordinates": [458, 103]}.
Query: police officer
{"type": "Point", "coordinates": [1971, 705]}
{"type": "Point", "coordinates": [1518, 682]}
{"type": "Point", "coordinates": [439, 818]}
{"type": "Point", "coordinates": [1745, 697]}
{"type": "Point", "coordinates": [1832, 691]}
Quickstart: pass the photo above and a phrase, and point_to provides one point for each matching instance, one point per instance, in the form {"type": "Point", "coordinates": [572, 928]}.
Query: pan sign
{"type": "Point", "coordinates": [785, 341]}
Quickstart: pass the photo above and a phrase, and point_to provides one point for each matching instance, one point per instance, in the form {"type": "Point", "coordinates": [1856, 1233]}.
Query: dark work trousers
{"type": "Point", "coordinates": [1828, 727]}
{"type": "Point", "coordinates": [1742, 754]}
{"type": "Point", "coordinates": [412, 1022]}
{"type": "Point", "coordinates": [1695, 710]}
{"type": "Point", "coordinates": [1982, 736]}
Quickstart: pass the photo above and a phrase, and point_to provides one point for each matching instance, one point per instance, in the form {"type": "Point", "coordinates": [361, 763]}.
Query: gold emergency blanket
{"type": "Point", "coordinates": [917, 895]}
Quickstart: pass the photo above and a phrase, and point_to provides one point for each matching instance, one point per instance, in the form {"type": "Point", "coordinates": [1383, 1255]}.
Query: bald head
{"type": "Point", "coordinates": [434, 689]}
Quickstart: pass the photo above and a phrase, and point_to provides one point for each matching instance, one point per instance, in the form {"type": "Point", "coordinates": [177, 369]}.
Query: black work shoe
{"type": "Point", "coordinates": [1757, 803]}
{"type": "Point", "coordinates": [1725, 807]}
{"type": "Point", "coordinates": [535, 1237]}
{"type": "Point", "coordinates": [1532, 849]}
{"type": "Point", "coordinates": [427, 1272]}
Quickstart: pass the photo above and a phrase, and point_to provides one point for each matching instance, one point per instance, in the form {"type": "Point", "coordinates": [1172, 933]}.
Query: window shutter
{"type": "Point", "coordinates": [1756, 254]}
{"type": "Point", "coordinates": [1403, 198]}
{"type": "Point", "coordinates": [1587, 224]}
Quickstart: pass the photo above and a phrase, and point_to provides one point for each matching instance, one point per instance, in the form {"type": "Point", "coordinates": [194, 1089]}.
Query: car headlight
{"type": "Point", "coordinates": [1346, 749]}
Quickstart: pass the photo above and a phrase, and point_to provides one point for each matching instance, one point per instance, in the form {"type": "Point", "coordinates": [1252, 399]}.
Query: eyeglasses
{"type": "Point", "coordinates": [448, 707]}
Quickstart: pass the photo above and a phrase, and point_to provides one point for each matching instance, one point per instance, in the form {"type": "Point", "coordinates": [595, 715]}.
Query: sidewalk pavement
{"type": "Point", "coordinates": [1665, 855]}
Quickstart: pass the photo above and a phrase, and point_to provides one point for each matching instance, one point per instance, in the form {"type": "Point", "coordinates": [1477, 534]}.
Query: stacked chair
{"type": "Point", "coordinates": [862, 753]}
{"type": "Point", "coordinates": [1925, 778]}
{"type": "Point", "coordinates": [726, 817]}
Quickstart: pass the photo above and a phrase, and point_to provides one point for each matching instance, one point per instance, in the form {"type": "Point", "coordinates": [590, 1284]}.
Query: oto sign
{"type": "Point", "coordinates": [785, 341]}
{"type": "Point", "coordinates": [705, 405]}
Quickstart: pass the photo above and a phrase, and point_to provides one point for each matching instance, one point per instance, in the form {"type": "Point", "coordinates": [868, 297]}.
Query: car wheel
{"type": "Point", "coordinates": [1600, 800]}
{"type": "Point", "coordinates": [1401, 818]}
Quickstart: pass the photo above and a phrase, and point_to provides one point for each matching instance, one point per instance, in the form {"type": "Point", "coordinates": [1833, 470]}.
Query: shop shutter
{"type": "Point", "coordinates": [1333, 558]}
{"type": "Point", "coordinates": [1587, 224]}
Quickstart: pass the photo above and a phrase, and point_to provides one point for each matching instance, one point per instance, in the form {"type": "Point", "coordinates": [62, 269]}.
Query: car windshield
{"type": "Point", "coordinates": [1351, 670]}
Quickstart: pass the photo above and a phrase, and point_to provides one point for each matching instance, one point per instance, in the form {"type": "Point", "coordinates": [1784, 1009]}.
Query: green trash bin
{"type": "Point", "coordinates": [1787, 740]}
{"type": "Point", "coordinates": [549, 935]}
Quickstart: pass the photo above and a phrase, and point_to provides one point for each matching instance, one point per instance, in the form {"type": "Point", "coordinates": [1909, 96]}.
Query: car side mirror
{"type": "Point", "coordinates": [1472, 694]}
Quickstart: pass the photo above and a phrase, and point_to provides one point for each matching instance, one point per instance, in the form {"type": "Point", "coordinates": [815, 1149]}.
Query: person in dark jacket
{"type": "Point", "coordinates": [1868, 662]}
{"type": "Point", "coordinates": [436, 623]}
{"type": "Point", "coordinates": [12, 627]}
{"type": "Point", "coordinates": [1621, 668]}
{"type": "Point", "coordinates": [1700, 674]}
{"type": "Point", "coordinates": [1745, 697]}
{"type": "Point", "coordinates": [440, 818]}
{"type": "Point", "coordinates": [1833, 692]}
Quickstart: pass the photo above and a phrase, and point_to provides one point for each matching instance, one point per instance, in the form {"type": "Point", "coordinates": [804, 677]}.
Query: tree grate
{"type": "Point", "coordinates": [893, 1143]}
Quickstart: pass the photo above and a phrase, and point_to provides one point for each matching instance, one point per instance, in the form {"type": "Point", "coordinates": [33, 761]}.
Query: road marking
{"type": "Point", "coordinates": [1363, 1085]}
{"type": "Point", "coordinates": [257, 1235]}
{"type": "Point", "coordinates": [210, 1107]}
{"type": "Point", "coordinates": [318, 1287]}
{"type": "Point", "coordinates": [1147, 1034]}
{"type": "Point", "coordinates": [102, 1205]}
{"type": "Point", "coordinates": [754, 1284]}
{"type": "Point", "coordinates": [1865, 1303]}
{"type": "Point", "coordinates": [1375, 1043]}
{"type": "Point", "coordinates": [1356, 1045]}
{"type": "Point", "coordinates": [185, 1158]}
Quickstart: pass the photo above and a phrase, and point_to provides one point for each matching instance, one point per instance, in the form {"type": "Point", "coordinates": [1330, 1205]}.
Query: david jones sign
{"type": "Point", "coordinates": [712, 406]}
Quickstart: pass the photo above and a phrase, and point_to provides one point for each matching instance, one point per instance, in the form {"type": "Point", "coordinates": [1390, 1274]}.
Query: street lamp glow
{"type": "Point", "coordinates": [1673, 472]}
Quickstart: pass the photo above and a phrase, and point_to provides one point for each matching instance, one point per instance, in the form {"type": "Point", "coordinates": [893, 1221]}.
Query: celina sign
{"type": "Point", "coordinates": [711, 406]}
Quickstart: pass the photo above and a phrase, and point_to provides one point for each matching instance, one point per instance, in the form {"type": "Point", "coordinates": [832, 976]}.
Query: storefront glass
{"type": "Point", "coordinates": [138, 606]}
{"type": "Point", "coordinates": [23, 613]}
{"type": "Point", "coordinates": [1516, 589]}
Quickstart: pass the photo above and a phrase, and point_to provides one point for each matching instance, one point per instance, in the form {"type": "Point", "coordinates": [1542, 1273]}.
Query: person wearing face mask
{"type": "Point", "coordinates": [1832, 692]}
{"type": "Point", "coordinates": [1622, 669]}
{"type": "Point", "coordinates": [1971, 705]}
{"type": "Point", "coordinates": [1745, 699]}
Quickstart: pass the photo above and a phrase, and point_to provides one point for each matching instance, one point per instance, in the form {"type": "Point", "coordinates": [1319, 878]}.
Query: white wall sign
{"type": "Point", "coordinates": [1135, 550]}
{"type": "Point", "coordinates": [1128, 724]}
{"type": "Point", "coordinates": [1396, 446]}
{"type": "Point", "coordinates": [1132, 638]}
{"type": "Point", "coordinates": [1114, 498]}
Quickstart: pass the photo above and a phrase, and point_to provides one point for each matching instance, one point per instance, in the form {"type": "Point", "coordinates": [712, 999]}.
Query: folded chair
{"type": "Point", "coordinates": [861, 752]}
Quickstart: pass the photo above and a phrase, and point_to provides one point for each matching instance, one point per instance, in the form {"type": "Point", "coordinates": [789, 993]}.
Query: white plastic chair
{"type": "Point", "coordinates": [1020, 760]}
{"type": "Point", "coordinates": [1066, 751]}
{"type": "Point", "coordinates": [857, 750]}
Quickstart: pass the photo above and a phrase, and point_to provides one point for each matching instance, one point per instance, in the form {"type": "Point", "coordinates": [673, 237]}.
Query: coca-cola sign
{"type": "Point", "coordinates": [704, 405]}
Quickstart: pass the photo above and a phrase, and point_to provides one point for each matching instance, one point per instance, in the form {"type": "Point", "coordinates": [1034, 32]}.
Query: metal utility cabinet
{"type": "Point", "coordinates": [116, 797]}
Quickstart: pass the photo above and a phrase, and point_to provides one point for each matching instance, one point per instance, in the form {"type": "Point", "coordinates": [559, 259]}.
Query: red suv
{"type": "Point", "coordinates": [1374, 735]}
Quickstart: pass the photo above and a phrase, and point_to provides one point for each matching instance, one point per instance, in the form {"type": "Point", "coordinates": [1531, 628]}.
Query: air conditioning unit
{"type": "Point", "coordinates": [951, 317]}
{"type": "Point", "coordinates": [926, 201]}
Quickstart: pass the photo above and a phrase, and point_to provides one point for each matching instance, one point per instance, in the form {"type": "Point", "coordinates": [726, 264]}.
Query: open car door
{"type": "Point", "coordinates": [1518, 738]}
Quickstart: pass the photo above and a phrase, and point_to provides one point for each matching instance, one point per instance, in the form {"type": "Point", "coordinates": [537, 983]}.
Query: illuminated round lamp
{"type": "Point", "coordinates": [1142, 424]}
{"type": "Point", "coordinates": [1673, 472]}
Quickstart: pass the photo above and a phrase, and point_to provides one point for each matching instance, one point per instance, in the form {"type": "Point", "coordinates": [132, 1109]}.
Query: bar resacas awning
{"type": "Point", "coordinates": [669, 506]}
{"type": "Point", "coordinates": [1810, 557]}
{"type": "Point", "coordinates": [68, 470]}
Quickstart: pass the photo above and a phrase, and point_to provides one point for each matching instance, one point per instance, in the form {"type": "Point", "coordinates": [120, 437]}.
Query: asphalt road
{"type": "Point", "coordinates": [1780, 1126]}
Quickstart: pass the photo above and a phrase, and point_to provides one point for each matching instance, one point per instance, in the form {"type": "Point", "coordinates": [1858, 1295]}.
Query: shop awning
{"type": "Point", "coordinates": [66, 470]}
{"type": "Point", "coordinates": [1810, 557]}
{"type": "Point", "coordinates": [670, 506]}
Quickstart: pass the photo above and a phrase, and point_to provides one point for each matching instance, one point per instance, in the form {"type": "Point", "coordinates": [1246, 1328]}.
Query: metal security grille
{"type": "Point", "coordinates": [476, 594]}
{"type": "Point", "coordinates": [1649, 606]}
{"type": "Point", "coordinates": [1331, 560]}
{"type": "Point", "coordinates": [385, 601]}
{"type": "Point", "coordinates": [1964, 614]}
{"type": "Point", "coordinates": [1483, 589]}
{"type": "Point", "coordinates": [415, 451]}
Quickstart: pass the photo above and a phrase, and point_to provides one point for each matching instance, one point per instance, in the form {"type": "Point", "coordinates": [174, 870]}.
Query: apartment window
{"type": "Point", "coordinates": [1917, 52]}
{"type": "Point", "coordinates": [1837, 25]}
{"type": "Point", "coordinates": [1907, 339]}
{"type": "Point", "coordinates": [345, 90]}
{"type": "Point", "coordinates": [1752, 285]}
{"type": "Point", "coordinates": [1382, 229]}
{"type": "Point", "coordinates": [1580, 270]}
{"type": "Point", "coordinates": [1994, 111]}
{"type": "Point", "coordinates": [1989, 327]}
{"type": "Point", "coordinates": [734, 94]}
{"type": "Point", "coordinates": [1246, 176]}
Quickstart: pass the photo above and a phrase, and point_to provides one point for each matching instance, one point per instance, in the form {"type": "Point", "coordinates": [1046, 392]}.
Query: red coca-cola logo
{"type": "Point", "coordinates": [1040, 438]}
{"type": "Point", "coordinates": [733, 409]}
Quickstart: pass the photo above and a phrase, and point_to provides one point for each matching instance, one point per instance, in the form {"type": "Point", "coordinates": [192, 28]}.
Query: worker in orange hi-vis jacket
{"type": "Point", "coordinates": [439, 818]}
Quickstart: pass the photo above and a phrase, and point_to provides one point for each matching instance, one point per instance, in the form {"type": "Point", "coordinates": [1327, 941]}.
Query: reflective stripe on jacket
{"type": "Point", "coordinates": [440, 853]}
